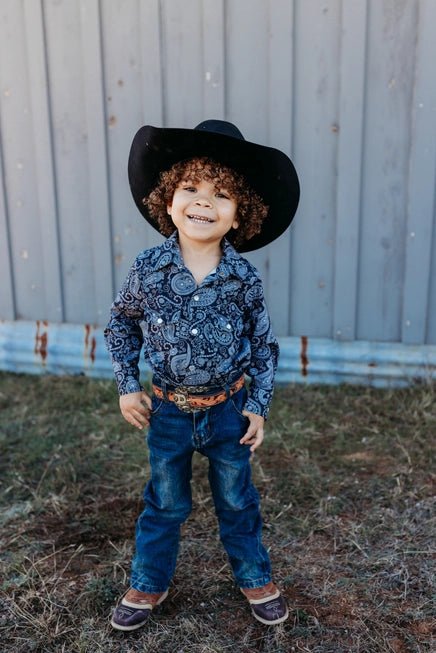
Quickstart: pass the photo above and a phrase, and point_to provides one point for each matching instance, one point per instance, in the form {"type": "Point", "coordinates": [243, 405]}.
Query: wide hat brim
{"type": "Point", "coordinates": [267, 171]}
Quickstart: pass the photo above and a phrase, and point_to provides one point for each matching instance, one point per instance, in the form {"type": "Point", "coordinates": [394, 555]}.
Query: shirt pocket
{"type": "Point", "coordinates": [224, 329]}
{"type": "Point", "coordinates": [161, 328]}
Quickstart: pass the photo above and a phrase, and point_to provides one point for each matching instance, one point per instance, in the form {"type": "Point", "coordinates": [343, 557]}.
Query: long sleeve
{"type": "Point", "coordinates": [264, 355]}
{"type": "Point", "coordinates": [123, 334]}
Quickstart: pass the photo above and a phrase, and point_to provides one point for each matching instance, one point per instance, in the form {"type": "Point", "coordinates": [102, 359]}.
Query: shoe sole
{"type": "Point", "coordinates": [129, 628]}
{"type": "Point", "coordinates": [141, 623]}
{"type": "Point", "coordinates": [271, 623]}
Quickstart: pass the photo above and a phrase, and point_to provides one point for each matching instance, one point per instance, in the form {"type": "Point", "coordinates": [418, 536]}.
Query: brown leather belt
{"type": "Point", "coordinates": [186, 397]}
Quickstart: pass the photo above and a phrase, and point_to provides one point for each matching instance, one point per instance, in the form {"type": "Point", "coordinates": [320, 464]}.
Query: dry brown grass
{"type": "Point", "coordinates": [345, 476]}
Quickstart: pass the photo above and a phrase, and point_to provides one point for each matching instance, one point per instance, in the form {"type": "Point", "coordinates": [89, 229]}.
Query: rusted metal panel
{"type": "Point", "coordinates": [45, 347]}
{"type": "Point", "coordinates": [379, 364]}
{"type": "Point", "coordinates": [42, 347]}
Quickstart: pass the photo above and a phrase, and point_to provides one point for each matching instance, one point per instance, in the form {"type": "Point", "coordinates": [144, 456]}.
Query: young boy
{"type": "Point", "coordinates": [197, 309]}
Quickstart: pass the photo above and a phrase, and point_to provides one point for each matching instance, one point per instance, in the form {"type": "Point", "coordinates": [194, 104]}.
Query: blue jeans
{"type": "Point", "coordinates": [172, 439]}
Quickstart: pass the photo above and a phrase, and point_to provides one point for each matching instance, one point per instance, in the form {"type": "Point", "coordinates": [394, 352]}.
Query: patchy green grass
{"type": "Point", "coordinates": [346, 477]}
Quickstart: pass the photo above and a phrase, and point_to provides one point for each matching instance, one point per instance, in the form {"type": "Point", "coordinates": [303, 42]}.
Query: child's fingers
{"type": "Point", "coordinates": [137, 417]}
{"type": "Point", "coordinates": [139, 420]}
{"type": "Point", "coordinates": [133, 409]}
{"type": "Point", "coordinates": [146, 399]}
{"type": "Point", "coordinates": [254, 434]}
{"type": "Point", "coordinates": [254, 440]}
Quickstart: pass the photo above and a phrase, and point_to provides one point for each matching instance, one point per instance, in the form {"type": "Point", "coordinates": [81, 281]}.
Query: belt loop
{"type": "Point", "coordinates": [163, 386]}
{"type": "Point", "coordinates": [227, 390]}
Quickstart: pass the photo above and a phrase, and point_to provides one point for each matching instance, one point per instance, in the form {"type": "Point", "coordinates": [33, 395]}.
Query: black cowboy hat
{"type": "Point", "coordinates": [266, 170]}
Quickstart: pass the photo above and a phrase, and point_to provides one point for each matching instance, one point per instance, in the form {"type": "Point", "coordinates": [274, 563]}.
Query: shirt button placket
{"type": "Point", "coordinates": [194, 331]}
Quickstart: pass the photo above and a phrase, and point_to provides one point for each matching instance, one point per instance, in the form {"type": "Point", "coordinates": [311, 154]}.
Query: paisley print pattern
{"type": "Point", "coordinates": [193, 335]}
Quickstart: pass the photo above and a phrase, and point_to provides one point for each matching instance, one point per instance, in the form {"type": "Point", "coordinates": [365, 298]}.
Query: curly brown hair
{"type": "Point", "coordinates": [251, 210]}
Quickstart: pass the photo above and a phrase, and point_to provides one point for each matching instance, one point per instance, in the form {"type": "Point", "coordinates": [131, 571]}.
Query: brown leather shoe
{"type": "Point", "coordinates": [134, 609]}
{"type": "Point", "coordinates": [267, 604]}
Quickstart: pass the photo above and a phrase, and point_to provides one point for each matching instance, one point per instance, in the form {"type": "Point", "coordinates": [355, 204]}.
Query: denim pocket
{"type": "Point", "coordinates": [156, 404]}
{"type": "Point", "coordinates": [237, 402]}
{"type": "Point", "coordinates": [238, 412]}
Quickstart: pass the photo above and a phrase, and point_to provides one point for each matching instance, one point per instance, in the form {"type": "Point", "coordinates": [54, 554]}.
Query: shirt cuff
{"type": "Point", "coordinates": [256, 407]}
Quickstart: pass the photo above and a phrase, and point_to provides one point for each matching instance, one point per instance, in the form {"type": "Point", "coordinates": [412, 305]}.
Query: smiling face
{"type": "Point", "coordinates": [202, 212]}
{"type": "Point", "coordinates": [251, 210]}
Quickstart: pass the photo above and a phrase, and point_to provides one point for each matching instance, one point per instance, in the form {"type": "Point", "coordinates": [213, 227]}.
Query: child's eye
{"type": "Point", "coordinates": [190, 189]}
{"type": "Point", "coordinates": [223, 195]}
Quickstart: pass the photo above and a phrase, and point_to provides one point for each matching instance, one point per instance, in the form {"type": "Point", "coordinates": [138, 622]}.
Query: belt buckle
{"type": "Point", "coordinates": [181, 399]}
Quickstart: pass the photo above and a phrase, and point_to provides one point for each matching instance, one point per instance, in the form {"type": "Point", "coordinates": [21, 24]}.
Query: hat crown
{"type": "Point", "coordinates": [220, 127]}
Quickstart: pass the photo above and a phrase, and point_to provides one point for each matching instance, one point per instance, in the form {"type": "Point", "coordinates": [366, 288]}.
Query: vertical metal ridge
{"type": "Point", "coordinates": [225, 61]}
{"type": "Point", "coordinates": [348, 160]}
{"type": "Point", "coordinates": [212, 45]}
{"type": "Point", "coordinates": [53, 159]}
{"type": "Point", "coordinates": [150, 28]}
{"type": "Point", "coordinates": [162, 57]}
{"type": "Point", "coordinates": [362, 159]}
{"type": "Point", "coordinates": [106, 146]}
{"type": "Point", "coordinates": [292, 143]}
{"type": "Point", "coordinates": [8, 263]}
{"type": "Point", "coordinates": [98, 177]}
{"type": "Point", "coordinates": [415, 314]}
{"type": "Point", "coordinates": [46, 92]}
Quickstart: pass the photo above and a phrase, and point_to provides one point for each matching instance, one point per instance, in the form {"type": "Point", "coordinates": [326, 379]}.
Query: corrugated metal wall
{"type": "Point", "coordinates": [346, 88]}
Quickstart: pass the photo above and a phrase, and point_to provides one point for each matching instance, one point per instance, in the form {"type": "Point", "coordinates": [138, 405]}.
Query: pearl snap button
{"type": "Point", "coordinates": [159, 320]}
{"type": "Point", "coordinates": [196, 298]}
{"type": "Point", "coordinates": [228, 326]}
{"type": "Point", "coordinates": [194, 332]}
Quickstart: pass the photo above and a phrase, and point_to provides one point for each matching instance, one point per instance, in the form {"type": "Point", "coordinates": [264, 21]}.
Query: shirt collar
{"type": "Point", "coordinates": [230, 264]}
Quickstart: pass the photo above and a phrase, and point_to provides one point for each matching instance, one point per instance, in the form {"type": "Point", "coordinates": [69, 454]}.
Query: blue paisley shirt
{"type": "Point", "coordinates": [193, 335]}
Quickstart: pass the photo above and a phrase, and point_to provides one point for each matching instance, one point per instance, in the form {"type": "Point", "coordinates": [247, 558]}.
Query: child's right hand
{"type": "Point", "coordinates": [135, 408]}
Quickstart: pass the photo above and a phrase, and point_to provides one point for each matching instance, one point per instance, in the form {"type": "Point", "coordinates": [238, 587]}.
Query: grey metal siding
{"type": "Point", "coordinates": [345, 87]}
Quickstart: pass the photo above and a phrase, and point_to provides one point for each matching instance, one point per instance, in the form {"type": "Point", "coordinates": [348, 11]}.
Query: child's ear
{"type": "Point", "coordinates": [235, 224]}
{"type": "Point", "coordinates": [169, 208]}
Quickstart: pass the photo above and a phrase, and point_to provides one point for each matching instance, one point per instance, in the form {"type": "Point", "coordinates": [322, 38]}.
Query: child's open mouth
{"type": "Point", "coordinates": [200, 219]}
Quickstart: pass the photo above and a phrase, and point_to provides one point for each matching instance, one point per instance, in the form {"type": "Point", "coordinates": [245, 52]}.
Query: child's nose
{"type": "Point", "coordinates": [203, 200]}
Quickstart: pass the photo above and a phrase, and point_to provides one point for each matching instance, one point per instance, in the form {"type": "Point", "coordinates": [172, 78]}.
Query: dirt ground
{"type": "Point", "coordinates": [346, 478]}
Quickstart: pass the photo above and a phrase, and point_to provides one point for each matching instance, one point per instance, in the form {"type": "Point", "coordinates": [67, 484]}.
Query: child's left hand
{"type": "Point", "coordinates": [254, 435]}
